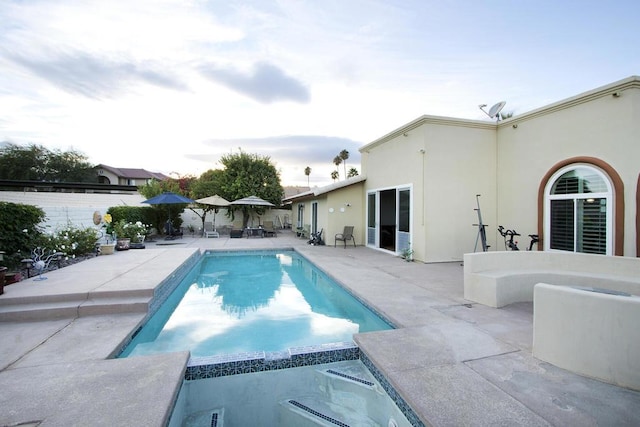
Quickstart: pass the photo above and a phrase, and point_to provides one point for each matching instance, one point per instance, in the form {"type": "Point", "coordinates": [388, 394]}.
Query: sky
{"type": "Point", "coordinates": [172, 85]}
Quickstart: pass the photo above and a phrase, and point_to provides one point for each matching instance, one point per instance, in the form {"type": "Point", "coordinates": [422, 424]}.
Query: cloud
{"type": "Point", "coordinates": [296, 149]}
{"type": "Point", "coordinates": [92, 76]}
{"type": "Point", "coordinates": [266, 84]}
{"type": "Point", "coordinates": [289, 153]}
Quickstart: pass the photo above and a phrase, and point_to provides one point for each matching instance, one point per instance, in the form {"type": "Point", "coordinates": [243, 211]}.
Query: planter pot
{"type": "Point", "coordinates": [107, 249]}
{"type": "Point", "coordinates": [3, 270]}
{"type": "Point", "coordinates": [123, 244]}
{"type": "Point", "coordinates": [12, 278]}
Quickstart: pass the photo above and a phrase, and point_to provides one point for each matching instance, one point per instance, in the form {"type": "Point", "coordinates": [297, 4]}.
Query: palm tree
{"type": "Point", "coordinates": [336, 161]}
{"type": "Point", "coordinates": [352, 172]}
{"type": "Point", "coordinates": [307, 171]}
{"type": "Point", "coordinates": [344, 155]}
{"type": "Point", "coordinates": [335, 175]}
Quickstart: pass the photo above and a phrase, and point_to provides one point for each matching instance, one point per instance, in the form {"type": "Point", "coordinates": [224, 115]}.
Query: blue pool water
{"type": "Point", "coordinates": [242, 302]}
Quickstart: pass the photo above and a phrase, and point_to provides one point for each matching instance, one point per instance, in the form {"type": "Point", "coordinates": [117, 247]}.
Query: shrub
{"type": "Point", "coordinates": [71, 240]}
{"type": "Point", "coordinates": [19, 231]}
{"type": "Point", "coordinates": [131, 214]}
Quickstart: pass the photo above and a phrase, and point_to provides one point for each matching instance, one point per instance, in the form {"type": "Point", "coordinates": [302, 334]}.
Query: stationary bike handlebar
{"type": "Point", "coordinates": [505, 233]}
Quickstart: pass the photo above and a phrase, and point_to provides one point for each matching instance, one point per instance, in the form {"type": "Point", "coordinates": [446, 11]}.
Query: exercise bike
{"type": "Point", "coordinates": [508, 236]}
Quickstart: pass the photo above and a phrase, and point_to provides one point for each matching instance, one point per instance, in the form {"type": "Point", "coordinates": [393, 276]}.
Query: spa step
{"type": "Point", "coordinates": [354, 388]}
{"type": "Point", "coordinates": [29, 311]}
{"type": "Point", "coordinates": [311, 411]}
{"type": "Point", "coordinates": [208, 418]}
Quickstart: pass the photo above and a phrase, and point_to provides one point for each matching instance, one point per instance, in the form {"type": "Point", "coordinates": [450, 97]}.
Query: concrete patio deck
{"type": "Point", "coordinates": [454, 362]}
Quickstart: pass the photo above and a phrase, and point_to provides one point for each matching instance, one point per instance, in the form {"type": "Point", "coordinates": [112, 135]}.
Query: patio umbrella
{"type": "Point", "coordinates": [168, 198]}
{"type": "Point", "coordinates": [252, 201]}
{"type": "Point", "coordinates": [215, 201]}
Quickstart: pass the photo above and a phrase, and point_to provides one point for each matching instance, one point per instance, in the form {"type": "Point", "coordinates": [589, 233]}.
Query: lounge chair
{"type": "Point", "coordinates": [347, 234]}
{"type": "Point", "coordinates": [209, 231]}
{"type": "Point", "coordinates": [269, 229]}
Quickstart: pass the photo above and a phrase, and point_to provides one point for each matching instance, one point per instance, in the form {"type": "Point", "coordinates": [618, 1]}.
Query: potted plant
{"type": "Point", "coordinates": [128, 233]}
{"type": "Point", "coordinates": [407, 253]}
{"type": "Point", "coordinates": [106, 246]}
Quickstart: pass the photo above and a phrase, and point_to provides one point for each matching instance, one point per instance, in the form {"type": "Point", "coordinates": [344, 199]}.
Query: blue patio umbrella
{"type": "Point", "coordinates": [168, 198]}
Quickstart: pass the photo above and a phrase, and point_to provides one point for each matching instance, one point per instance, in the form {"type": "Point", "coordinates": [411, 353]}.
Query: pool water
{"type": "Point", "coordinates": [336, 394]}
{"type": "Point", "coordinates": [260, 301]}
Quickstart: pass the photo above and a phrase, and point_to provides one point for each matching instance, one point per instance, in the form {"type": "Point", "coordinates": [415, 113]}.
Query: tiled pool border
{"type": "Point", "coordinates": [199, 368]}
{"type": "Point", "coordinates": [259, 361]}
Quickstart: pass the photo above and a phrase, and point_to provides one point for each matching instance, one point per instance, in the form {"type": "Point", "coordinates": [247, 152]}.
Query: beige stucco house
{"type": "Point", "coordinates": [568, 172]}
{"type": "Point", "coordinates": [126, 176]}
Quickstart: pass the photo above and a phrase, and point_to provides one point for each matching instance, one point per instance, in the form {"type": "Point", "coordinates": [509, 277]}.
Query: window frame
{"type": "Point", "coordinates": [608, 196]}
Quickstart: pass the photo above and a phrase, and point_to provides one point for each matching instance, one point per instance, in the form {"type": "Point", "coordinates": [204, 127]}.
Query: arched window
{"type": "Point", "coordinates": [579, 210]}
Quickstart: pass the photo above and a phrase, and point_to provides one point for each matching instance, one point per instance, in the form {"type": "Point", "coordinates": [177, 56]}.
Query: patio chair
{"type": "Point", "coordinates": [172, 232]}
{"type": "Point", "coordinates": [269, 229]}
{"type": "Point", "coordinates": [236, 233]}
{"type": "Point", "coordinates": [209, 231]}
{"type": "Point", "coordinates": [347, 234]}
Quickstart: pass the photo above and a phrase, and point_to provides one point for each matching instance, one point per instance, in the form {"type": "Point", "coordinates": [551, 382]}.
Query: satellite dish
{"type": "Point", "coordinates": [495, 110]}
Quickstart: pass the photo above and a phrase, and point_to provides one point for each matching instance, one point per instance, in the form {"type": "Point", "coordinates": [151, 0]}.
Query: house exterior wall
{"type": "Point", "coordinates": [337, 208]}
{"type": "Point", "coordinates": [112, 177]}
{"type": "Point", "coordinates": [595, 124]}
{"type": "Point", "coordinates": [506, 163]}
{"type": "Point", "coordinates": [446, 162]}
{"type": "Point", "coordinates": [348, 209]}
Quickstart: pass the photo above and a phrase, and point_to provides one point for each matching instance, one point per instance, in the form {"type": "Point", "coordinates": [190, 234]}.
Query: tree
{"type": "Point", "coordinates": [352, 172]}
{"type": "Point", "coordinates": [307, 172]}
{"type": "Point", "coordinates": [38, 163]}
{"type": "Point", "coordinates": [164, 212]}
{"type": "Point", "coordinates": [344, 155]}
{"type": "Point", "coordinates": [336, 161]}
{"type": "Point", "coordinates": [247, 175]}
{"type": "Point", "coordinates": [208, 184]}
{"type": "Point", "coordinates": [335, 175]}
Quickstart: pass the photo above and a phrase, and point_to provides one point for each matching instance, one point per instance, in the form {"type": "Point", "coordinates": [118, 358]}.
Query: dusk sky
{"type": "Point", "coordinates": [171, 85]}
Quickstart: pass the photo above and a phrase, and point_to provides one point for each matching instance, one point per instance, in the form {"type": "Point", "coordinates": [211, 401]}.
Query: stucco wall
{"type": "Point", "coordinates": [598, 125]}
{"type": "Point", "coordinates": [348, 209]}
{"type": "Point", "coordinates": [77, 208]}
{"type": "Point", "coordinates": [340, 207]}
{"type": "Point", "coordinates": [446, 162]}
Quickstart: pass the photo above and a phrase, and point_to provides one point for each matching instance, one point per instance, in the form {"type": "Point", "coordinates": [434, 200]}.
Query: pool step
{"type": "Point", "coordinates": [346, 397]}
{"type": "Point", "coordinates": [208, 418]}
{"type": "Point", "coordinates": [44, 309]}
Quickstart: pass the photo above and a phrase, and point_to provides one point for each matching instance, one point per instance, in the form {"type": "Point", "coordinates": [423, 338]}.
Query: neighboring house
{"type": "Point", "coordinates": [126, 176]}
{"type": "Point", "coordinates": [568, 172]}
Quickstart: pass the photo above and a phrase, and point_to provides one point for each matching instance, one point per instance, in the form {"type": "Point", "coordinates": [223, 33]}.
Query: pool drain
{"type": "Point", "coordinates": [318, 414]}
{"type": "Point", "coordinates": [349, 377]}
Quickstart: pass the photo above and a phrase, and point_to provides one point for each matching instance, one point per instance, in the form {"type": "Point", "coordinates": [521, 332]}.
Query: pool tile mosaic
{"type": "Point", "coordinates": [393, 394]}
{"type": "Point", "coordinates": [245, 363]}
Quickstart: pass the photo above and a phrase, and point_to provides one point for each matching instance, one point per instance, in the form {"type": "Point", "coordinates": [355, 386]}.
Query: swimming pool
{"type": "Point", "coordinates": [238, 302]}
